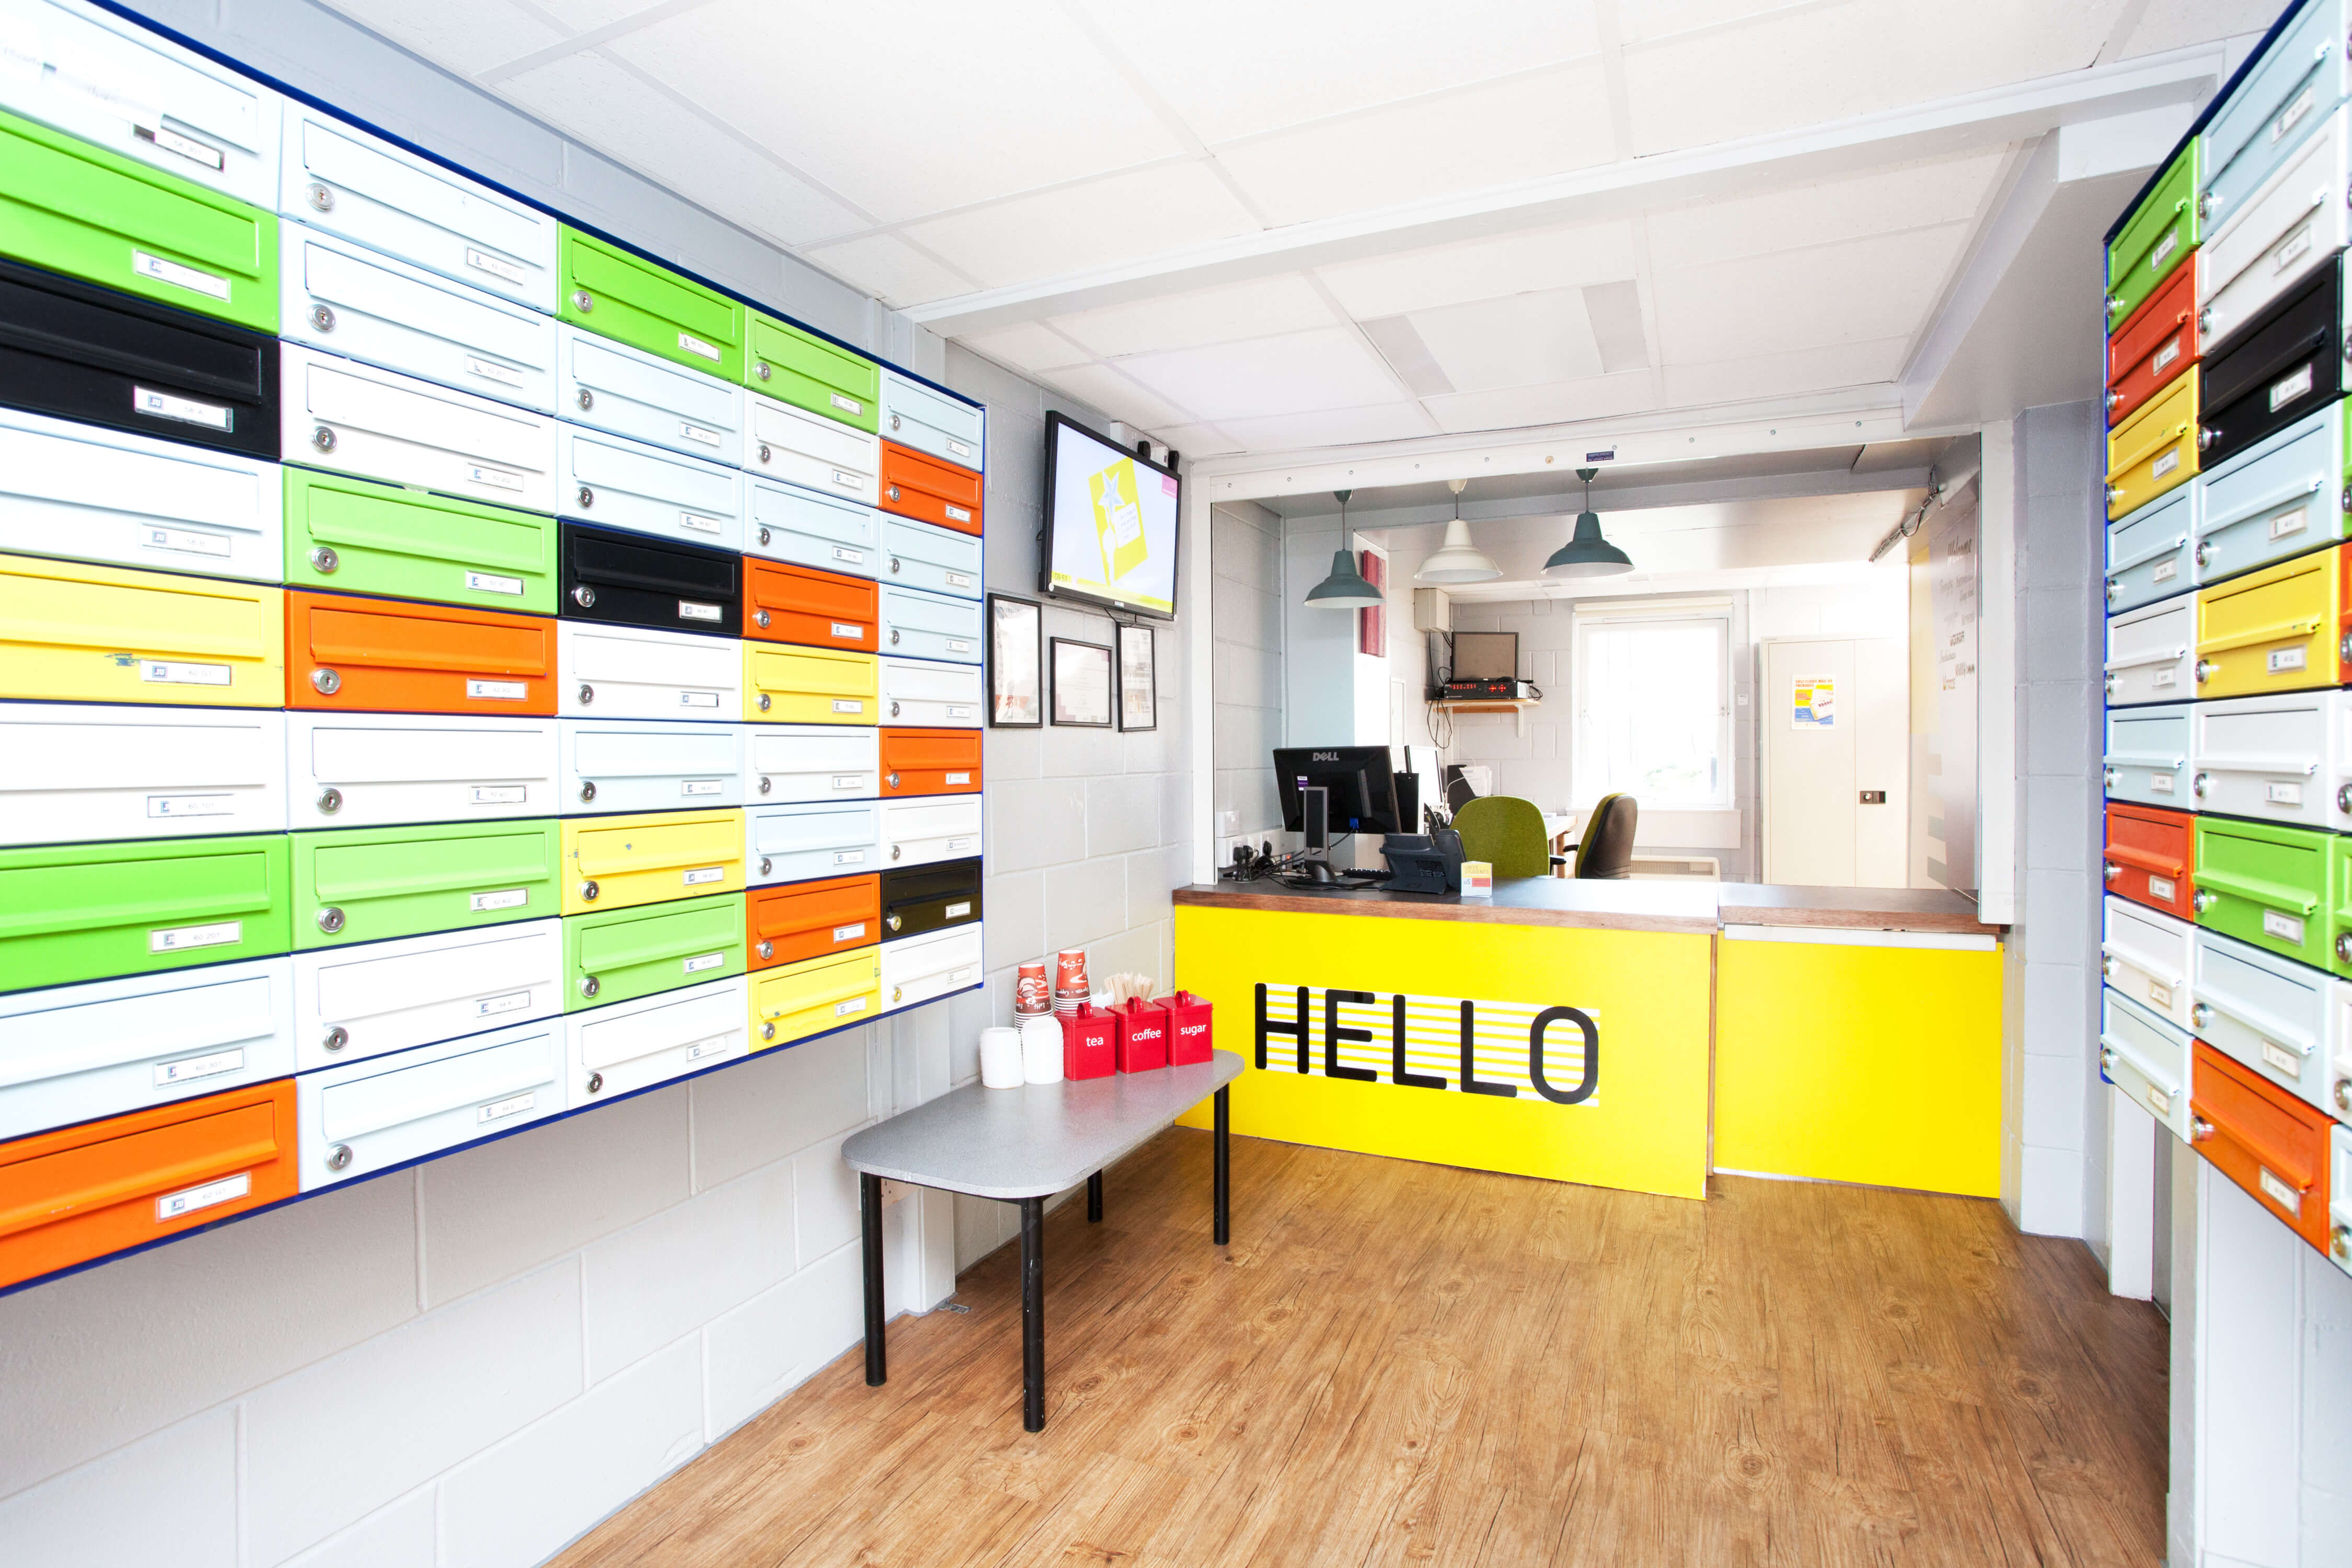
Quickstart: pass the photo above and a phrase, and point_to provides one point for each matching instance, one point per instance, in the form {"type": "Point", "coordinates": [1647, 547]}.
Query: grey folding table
{"type": "Point", "coordinates": [1022, 1146]}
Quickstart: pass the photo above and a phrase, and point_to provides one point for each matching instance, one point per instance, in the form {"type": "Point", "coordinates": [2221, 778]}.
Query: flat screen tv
{"type": "Point", "coordinates": [1110, 524]}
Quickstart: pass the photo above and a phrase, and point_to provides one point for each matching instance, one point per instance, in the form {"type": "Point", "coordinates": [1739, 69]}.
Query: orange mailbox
{"type": "Point", "coordinates": [2156, 344]}
{"type": "Point", "coordinates": [810, 920]}
{"type": "Point", "coordinates": [391, 656]}
{"type": "Point", "coordinates": [2263, 1139]}
{"type": "Point", "coordinates": [929, 491]}
{"type": "Point", "coordinates": [2344, 620]}
{"type": "Point", "coordinates": [2151, 857]}
{"type": "Point", "coordinates": [930, 762]}
{"type": "Point", "coordinates": [800, 605]}
{"type": "Point", "coordinates": [82, 1192]}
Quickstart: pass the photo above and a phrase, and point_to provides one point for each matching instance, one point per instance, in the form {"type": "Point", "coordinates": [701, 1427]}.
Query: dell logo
{"type": "Point", "coordinates": [1326, 757]}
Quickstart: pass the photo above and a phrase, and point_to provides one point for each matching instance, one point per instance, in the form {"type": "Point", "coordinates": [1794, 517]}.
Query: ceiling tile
{"type": "Point", "coordinates": [1026, 346]}
{"type": "Point", "coordinates": [1328, 368]}
{"type": "Point", "coordinates": [1807, 64]}
{"type": "Point", "coordinates": [1483, 269]}
{"type": "Point", "coordinates": [888, 268]}
{"type": "Point", "coordinates": [1654, 19]}
{"type": "Point", "coordinates": [1880, 287]}
{"type": "Point", "coordinates": [1100, 386]}
{"type": "Point", "coordinates": [1054, 232]}
{"type": "Point", "coordinates": [1517, 341]}
{"type": "Point", "coordinates": [465, 36]}
{"type": "Point", "coordinates": [609, 108]}
{"type": "Point", "coordinates": [1189, 441]}
{"type": "Point", "coordinates": [1252, 309]}
{"type": "Point", "coordinates": [1785, 373]}
{"type": "Point", "coordinates": [1329, 428]}
{"type": "Point", "coordinates": [1903, 195]}
{"type": "Point", "coordinates": [1306, 59]}
{"type": "Point", "coordinates": [903, 117]}
{"type": "Point", "coordinates": [1595, 397]}
{"type": "Point", "coordinates": [586, 15]}
{"type": "Point", "coordinates": [1495, 134]}
{"type": "Point", "coordinates": [2176, 24]}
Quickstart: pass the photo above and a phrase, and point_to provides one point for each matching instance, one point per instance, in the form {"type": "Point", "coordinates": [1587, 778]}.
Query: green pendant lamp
{"type": "Point", "coordinates": [1345, 589]}
{"type": "Point", "coordinates": [1587, 554]}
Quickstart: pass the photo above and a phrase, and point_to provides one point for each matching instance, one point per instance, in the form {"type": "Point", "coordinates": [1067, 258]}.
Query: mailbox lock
{"type": "Point", "coordinates": [767, 949]}
{"type": "Point", "coordinates": [2114, 304]}
{"type": "Point", "coordinates": [763, 702]}
{"type": "Point", "coordinates": [2205, 323]}
{"type": "Point", "coordinates": [2111, 776]}
{"type": "Point", "coordinates": [326, 682]}
{"type": "Point", "coordinates": [767, 1031]}
{"type": "Point", "coordinates": [2198, 786]}
{"type": "Point", "coordinates": [330, 919]}
{"type": "Point", "coordinates": [2203, 900]}
{"type": "Point", "coordinates": [588, 892]}
{"type": "Point", "coordinates": [2341, 1240]}
{"type": "Point", "coordinates": [2344, 1094]}
{"type": "Point", "coordinates": [893, 921]}
{"type": "Point", "coordinates": [2114, 397]}
{"type": "Point", "coordinates": [765, 786]}
{"type": "Point", "coordinates": [2205, 204]}
{"type": "Point", "coordinates": [894, 636]}
{"type": "Point", "coordinates": [322, 198]}
{"type": "Point", "coordinates": [893, 781]}
{"type": "Point", "coordinates": [2113, 588]}
{"type": "Point", "coordinates": [2205, 553]}
{"type": "Point", "coordinates": [2201, 1016]}
{"type": "Point", "coordinates": [893, 492]}
{"type": "Point", "coordinates": [338, 1158]}
{"type": "Point", "coordinates": [894, 708]}
{"type": "Point", "coordinates": [764, 532]}
{"type": "Point", "coordinates": [590, 986]}
{"type": "Point", "coordinates": [2206, 437]}
{"type": "Point", "coordinates": [763, 458]}
{"type": "Point", "coordinates": [894, 422]}
{"type": "Point", "coordinates": [2344, 797]}
{"type": "Point", "coordinates": [584, 596]}
{"type": "Point", "coordinates": [324, 560]}
{"type": "Point", "coordinates": [587, 399]}
{"type": "Point", "coordinates": [2110, 871]}
{"type": "Point", "coordinates": [583, 301]}
{"type": "Point", "coordinates": [760, 619]}
{"type": "Point", "coordinates": [2344, 648]}
{"type": "Point", "coordinates": [760, 370]}
{"type": "Point", "coordinates": [331, 800]}
{"type": "Point", "coordinates": [587, 694]}
{"type": "Point", "coordinates": [893, 851]}
{"type": "Point", "coordinates": [323, 438]}
{"type": "Point", "coordinates": [2107, 1057]}
{"type": "Point", "coordinates": [2110, 684]}
{"type": "Point", "coordinates": [587, 790]}
{"type": "Point", "coordinates": [893, 566]}
{"type": "Point", "coordinates": [2114, 495]}
{"type": "Point", "coordinates": [587, 498]}
{"type": "Point", "coordinates": [2199, 1130]}
{"type": "Point", "coordinates": [2347, 497]}
{"type": "Point", "coordinates": [898, 993]}
{"type": "Point", "coordinates": [767, 865]}
{"type": "Point", "coordinates": [2207, 669]}
{"type": "Point", "coordinates": [337, 1038]}
{"type": "Point", "coordinates": [595, 1083]}
{"type": "Point", "coordinates": [2344, 947]}
{"type": "Point", "coordinates": [323, 318]}
{"type": "Point", "coordinates": [2106, 966]}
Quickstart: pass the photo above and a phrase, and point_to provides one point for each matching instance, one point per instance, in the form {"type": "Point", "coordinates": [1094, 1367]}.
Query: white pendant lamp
{"type": "Point", "coordinates": [1457, 559]}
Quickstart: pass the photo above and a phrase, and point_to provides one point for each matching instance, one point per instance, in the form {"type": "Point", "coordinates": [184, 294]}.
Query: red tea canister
{"type": "Point", "coordinates": [1188, 1037]}
{"type": "Point", "coordinates": [1087, 1047]}
{"type": "Point", "coordinates": [1141, 1035]}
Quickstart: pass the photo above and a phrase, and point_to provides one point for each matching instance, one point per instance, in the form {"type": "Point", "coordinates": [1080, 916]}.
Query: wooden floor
{"type": "Point", "coordinates": [1401, 1363]}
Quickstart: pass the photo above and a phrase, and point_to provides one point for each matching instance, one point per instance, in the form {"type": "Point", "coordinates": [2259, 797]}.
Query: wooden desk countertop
{"type": "Point", "coordinates": [1666, 905]}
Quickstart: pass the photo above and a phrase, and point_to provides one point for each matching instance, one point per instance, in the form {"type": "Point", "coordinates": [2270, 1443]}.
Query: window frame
{"type": "Point", "coordinates": [1714, 615]}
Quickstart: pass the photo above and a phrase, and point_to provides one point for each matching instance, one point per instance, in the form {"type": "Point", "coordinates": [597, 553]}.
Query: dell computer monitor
{"type": "Point", "coordinates": [1360, 779]}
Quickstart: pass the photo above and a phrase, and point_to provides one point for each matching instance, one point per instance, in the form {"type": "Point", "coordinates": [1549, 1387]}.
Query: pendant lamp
{"type": "Point", "coordinates": [1587, 554]}
{"type": "Point", "coordinates": [1345, 589]}
{"type": "Point", "coordinates": [1457, 559]}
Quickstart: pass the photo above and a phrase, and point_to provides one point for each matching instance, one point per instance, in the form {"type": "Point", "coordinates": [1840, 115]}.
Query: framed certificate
{"type": "Point", "coordinates": [1139, 691]}
{"type": "Point", "coordinates": [1016, 652]}
{"type": "Point", "coordinates": [1082, 683]}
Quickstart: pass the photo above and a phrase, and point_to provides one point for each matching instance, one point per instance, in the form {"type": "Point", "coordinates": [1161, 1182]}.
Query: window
{"type": "Point", "coordinates": [1653, 707]}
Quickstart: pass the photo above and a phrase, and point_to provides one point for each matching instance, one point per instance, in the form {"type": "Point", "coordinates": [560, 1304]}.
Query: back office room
{"type": "Point", "coordinates": [797, 785]}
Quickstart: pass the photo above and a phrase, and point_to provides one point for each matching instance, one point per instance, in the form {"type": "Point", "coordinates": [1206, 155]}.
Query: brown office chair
{"type": "Point", "coordinates": [1606, 850]}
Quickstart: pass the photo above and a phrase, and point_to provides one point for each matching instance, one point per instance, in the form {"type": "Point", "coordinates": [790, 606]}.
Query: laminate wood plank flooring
{"type": "Point", "coordinates": [1398, 1363]}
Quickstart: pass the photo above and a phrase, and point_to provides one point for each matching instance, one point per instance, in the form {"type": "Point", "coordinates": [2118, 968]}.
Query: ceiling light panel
{"type": "Point", "coordinates": [890, 269]}
{"type": "Point", "coordinates": [1864, 288]}
{"type": "Point", "coordinates": [1785, 373]}
{"type": "Point", "coordinates": [1594, 397]}
{"type": "Point", "coordinates": [1236, 68]}
{"type": "Point", "coordinates": [1119, 397]}
{"type": "Point", "coordinates": [1057, 232]}
{"type": "Point", "coordinates": [1330, 368]}
{"type": "Point", "coordinates": [1257, 309]}
{"type": "Point", "coordinates": [1615, 312]}
{"type": "Point", "coordinates": [1026, 346]}
{"type": "Point", "coordinates": [1522, 340]}
{"type": "Point", "coordinates": [1482, 270]}
{"type": "Point", "coordinates": [1329, 428]}
{"type": "Point", "coordinates": [1401, 343]}
{"type": "Point", "coordinates": [465, 36]}
{"type": "Point", "coordinates": [1905, 195]}
{"type": "Point", "coordinates": [1494, 134]}
{"type": "Point", "coordinates": [977, 102]}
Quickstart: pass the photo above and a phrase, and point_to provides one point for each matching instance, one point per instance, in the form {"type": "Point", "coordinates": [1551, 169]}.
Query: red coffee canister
{"type": "Point", "coordinates": [1188, 1037]}
{"type": "Point", "coordinates": [1142, 1036]}
{"type": "Point", "coordinates": [1087, 1050]}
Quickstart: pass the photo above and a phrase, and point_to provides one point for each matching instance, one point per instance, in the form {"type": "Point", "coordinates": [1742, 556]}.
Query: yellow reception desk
{"type": "Point", "coordinates": [1631, 1035]}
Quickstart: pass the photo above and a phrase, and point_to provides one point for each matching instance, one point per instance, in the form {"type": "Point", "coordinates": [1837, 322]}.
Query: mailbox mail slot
{"type": "Point", "coordinates": [2159, 343]}
{"type": "Point", "coordinates": [2263, 1139]}
{"type": "Point", "coordinates": [387, 1111]}
{"type": "Point", "coordinates": [356, 419]}
{"type": "Point", "coordinates": [2146, 956]}
{"type": "Point", "coordinates": [357, 536]}
{"type": "Point", "coordinates": [931, 421]}
{"type": "Point", "coordinates": [2265, 885]}
{"type": "Point", "coordinates": [83, 211]}
{"type": "Point", "coordinates": [921, 832]}
{"type": "Point", "coordinates": [2149, 858]}
{"type": "Point", "coordinates": [620, 483]}
{"type": "Point", "coordinates": [798, 604]}
{"type": "Point", "coordinates": [73, 632]}
{"type": "Point", "coordinates": [2272, 759]}
{"type": "Point", "coordinates": [934, 696]}
{"type": "Point", "coordinates": [649, 765]}
{"type": "Point", "coordinates": [930, 762]}
{"type": "Point", "coordinates": [2162, 232]}
{"type": "Point", "coordinates": [74, 772]}
{"type": "Point", "coordinates": [618, 955]}
{"type": "Point", "coordinates": [78, 1052]}
{"type": "Point", "coordinates": [915, 899]}
{"type": "Point", "coordinates": [795, 1001]}
{"type": "Point", "coordinates": [915, 624]}
{"type": "Point", "coordinates": [931, 490]}
{"type": "Point", "coordinates": [918, 969]}
{"type": "Point", "coordinates": [387, 654]}
{"type": "Point", "coordinates": [785, 523]}
{"type": "Point", "coordinates": [2273, 1014]}
{"type": "Point", "coordinates": [347, 300]}
{"type": "Point", "coordinates": [637, 580]}
{"type": "Point", "coordinates": [2147, 1056]}
{"type": "Point", "coordinates": [368, 884]}
{"type": "Point", "coordinates": [620, 672]}
{"type": "Point", "coordinates": [2155, 449]}
{"type": "Point", "coordinates": [784, 684]}
{"type": "Point", "coordinates": [2271, 631]}
{"type": "Point", "coordinates": [83, 1191]}
{"type": "Point", "coordinates": [91, 912]}
{"type": "Point", "coordinates": [794, 843]}
{"type": "Point", "coordinates": [2276, 499]}
{"type": "Point", "coordinates": [356, 1002]}
{"type": "Point", "coordinates": [2281, 100]}
{"type": "Point", "coordinates": [2151, 653]}
{"type": "Point", "coordinates": [617, 862]}
{"type": "Point", "coordinates": [812, 451]}
{"type": "Point", "coordinates": [813, 373]}
{"type": "Point", "coordinates": [2147, 758]}
{"type": "Point", "coordinates": [2290, 226]}
{"type": "Point", "coordinates": [808, 919]}
{"type": "Point", "coordinates": [81, 352]}
{"type": "Point", "coordinates": [812, 763]}
{"type": "Point", "coordinates": [129, 500]}
{"type": "Point", "coordinates": [622, 295]}
{"type": "Point", "coordinates": [2149, 552]}
{"type": "Point", "coordinates": [385, 770]}
{"type": "Point", "coordinates": [2339, 1196]}
{"type": "Point", "coordinates": [342, 179]}
{"type": "Point", "coordinates": [2282, 366]}
{"type": "Point", "coordinates": [936, 560]}
{"type": "Point", "coordinates": [612, 386]}
{"type": "Point", "coordinates": [615, 1050]}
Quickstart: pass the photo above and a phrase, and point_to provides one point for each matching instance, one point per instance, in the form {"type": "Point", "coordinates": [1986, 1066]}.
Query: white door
{"type": "Point", "coordinates": [1837, 785]}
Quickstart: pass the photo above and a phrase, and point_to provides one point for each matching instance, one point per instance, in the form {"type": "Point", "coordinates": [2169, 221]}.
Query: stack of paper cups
{"type": "Point", "coordinates": [1032, 993]}
{"type": "Point", "coordinates": [1070, 981]}
{"type": "Point", "coordinates": [1041, 1048]}
{"type": "Point", "coordinates": [1000, 1065]}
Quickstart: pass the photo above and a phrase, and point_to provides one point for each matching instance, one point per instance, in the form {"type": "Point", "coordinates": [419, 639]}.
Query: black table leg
{"type": "Point", "coordinates": [1094, 1198]}
{"type": "Point", "coordinates": [1033, 1314]}
{"type": "Point", "coordinates": [869, 1206]}
{"type": "Point", "coordinates": [1224, 1161]}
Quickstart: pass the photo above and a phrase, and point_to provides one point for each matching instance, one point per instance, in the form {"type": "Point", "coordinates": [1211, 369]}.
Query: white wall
{"type": "Point", "coordinates": [1246, 672]}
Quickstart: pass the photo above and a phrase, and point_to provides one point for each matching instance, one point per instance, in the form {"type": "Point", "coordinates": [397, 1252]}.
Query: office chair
{"type": "Point", "coordinates": [1507, 832]}
{"type": "Point", "coordinates": [1606, 849]}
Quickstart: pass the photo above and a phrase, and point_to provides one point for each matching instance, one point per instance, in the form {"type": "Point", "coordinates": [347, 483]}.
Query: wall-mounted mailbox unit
{"type": "Point", "coordinates": [368, 1116]}
{"type": "Point", "coordinates": [619, 295]}
{"type": "Point", "coordinates": [2265, 885]}
{"type": "Point", "coordinates": [382, 997]}
{"type": "Point", "coordinates": [368, 884]}
{"type": "Point", "coordinates": [798, 920]}
{"type": "Point", "coordinates": [625, 673]}
{"type": "Point", "coordinates": [2157, 237]}
{"type": "Point", "coordinates": [2278, 497]}
{"type": "Point", "coordinates": [353, 655]}
{"type": "Point", "coordinates": [75, 772]}
{"type": "Point", "coordinates": [613, 862]}
{"type": "Point", "coordinates": [2272, 630]}
{"type": "Point", "coordinates": [2147, 956]}
{"type": "Point", "coordinates": [813, 373]}
{"type": "Point", "coordinates": [795, 1001]}
{"type": "Point", "coordinates": [91, 912]}
{"type": "Point", "coordinates": [936, 560]}
{"type": "Point", "coordinates": [617, 1049]}
{"type": "Point", "coordinates": [797, 447]}
{"type": "Point", "coordinates": [2147, 757]}
{"type": "Point", "coordinates": [618, 764]}
{"type": "Point", "coordinates": [615, 482]}
{"type": "Point", "coordinates": [611, 386]}
{"type": "Point", "coordinates": [2273, 1015]}
{"type": "Point", "coordinates": [354, 418]}
{"type": "Point", "coordinates": [617, 956]}
{"type": "Point", "coordinates": [930, 421]}
{"type": "Point", "coordinates": [787, 685]}
{"type": "Point", "coordinates": [2147, 1056]}
{"type": "Point", "coordinates": [77, 633]}
{"type": "Point", "coordinates": [785, 523]}
{"type": "Point", "coordinates": [917, 692]}
{"type": "Point", "coordinates": [794, 843]}
{"type": "Point", "coordinates": [121, 499]}
{"type": "Point", "coordinates": [920, 968]}
{"type": "Point", "coordinates": [385, 770]}
{"type": "Point", "coordinates": [358, 536]}
{"type": "Point", "coordinates": [921, 831]}
{"type": "Point", "coordinates": [637, 580]}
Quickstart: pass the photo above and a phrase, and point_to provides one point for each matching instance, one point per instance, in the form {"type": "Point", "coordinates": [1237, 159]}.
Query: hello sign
{"type": "Point", "coordinates": [1431, 1042]}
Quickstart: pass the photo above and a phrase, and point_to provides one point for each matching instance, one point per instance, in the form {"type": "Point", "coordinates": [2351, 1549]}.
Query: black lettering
{"type": "Point", "coordinates": [1582, 1091]}
{"type": "Point", "coordinates": [1470, 1084]}
{"type": "Point", "coordinates": [1396, 1043]}
{"type": "Point", "coordinates": [1266, 1025]}
{"type": "Point", "coordinates": [1333, 1035]}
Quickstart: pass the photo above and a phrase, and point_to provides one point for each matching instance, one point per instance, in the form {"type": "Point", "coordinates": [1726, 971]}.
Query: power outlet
{"type": "Point", "coordinates": [1228, 823]}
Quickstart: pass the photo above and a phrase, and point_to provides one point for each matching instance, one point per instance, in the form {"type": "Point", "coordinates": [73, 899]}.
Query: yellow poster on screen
{"type": "Point", "coordinates": [1118, 519]}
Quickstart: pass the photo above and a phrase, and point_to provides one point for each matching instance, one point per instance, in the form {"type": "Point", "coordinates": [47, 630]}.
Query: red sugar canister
{"type": "Point", "coordinates": [1188, 1037]}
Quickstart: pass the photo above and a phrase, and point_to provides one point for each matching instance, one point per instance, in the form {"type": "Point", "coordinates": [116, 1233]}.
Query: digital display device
{"type": "Point", "coordinates": [1362, 788]}
{"type": "Point", "coordinates": [1110, 523]}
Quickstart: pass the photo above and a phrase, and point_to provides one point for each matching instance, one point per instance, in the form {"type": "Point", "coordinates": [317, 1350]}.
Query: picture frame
{"type": "Point", "coordinates": [1016, 663]}
{"type": "Point", "coordinates": [1082, 683]}
{"type": "Point", "coordinates": [1139, 678]}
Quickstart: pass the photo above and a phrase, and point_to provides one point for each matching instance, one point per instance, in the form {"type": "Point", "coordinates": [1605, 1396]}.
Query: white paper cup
{"type": "Point", "coordinates": [999, 1059]}
{"type": "Point", "coordinates": [1041, 1051]}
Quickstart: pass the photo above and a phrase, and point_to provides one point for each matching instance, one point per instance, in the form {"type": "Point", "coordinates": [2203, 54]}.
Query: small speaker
{"type": "Point", "coordinates": [1315, 815]}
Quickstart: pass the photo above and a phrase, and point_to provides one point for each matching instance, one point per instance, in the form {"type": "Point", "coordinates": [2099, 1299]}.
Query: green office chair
{"type": "Point", "coordinates": [1507, 832]}
{"type": "Point", "coordinates": [1606, 850]}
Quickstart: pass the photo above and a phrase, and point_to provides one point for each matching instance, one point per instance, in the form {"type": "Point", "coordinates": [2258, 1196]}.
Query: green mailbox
{"type": "Point", "coordinates": [617, 956]}
{"type": "Point", "coordinates": [92, 912]}
{"type": "Point", "coordinates": [2159, 234]}
{"type": "Point", "coordinates": [355, 536]}
{"type": "Point", "coordinates": [2265, 885]}
{"type": "Point", "coordinates": [807, 372]}
{"type": "Point", "coordinates": [611, 292]}
{"type": "Point", "coordinates": [365, 884]}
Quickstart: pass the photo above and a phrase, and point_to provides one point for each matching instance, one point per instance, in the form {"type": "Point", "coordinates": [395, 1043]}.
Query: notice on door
{"type": "Point", "coordinates": [1813, 703]}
